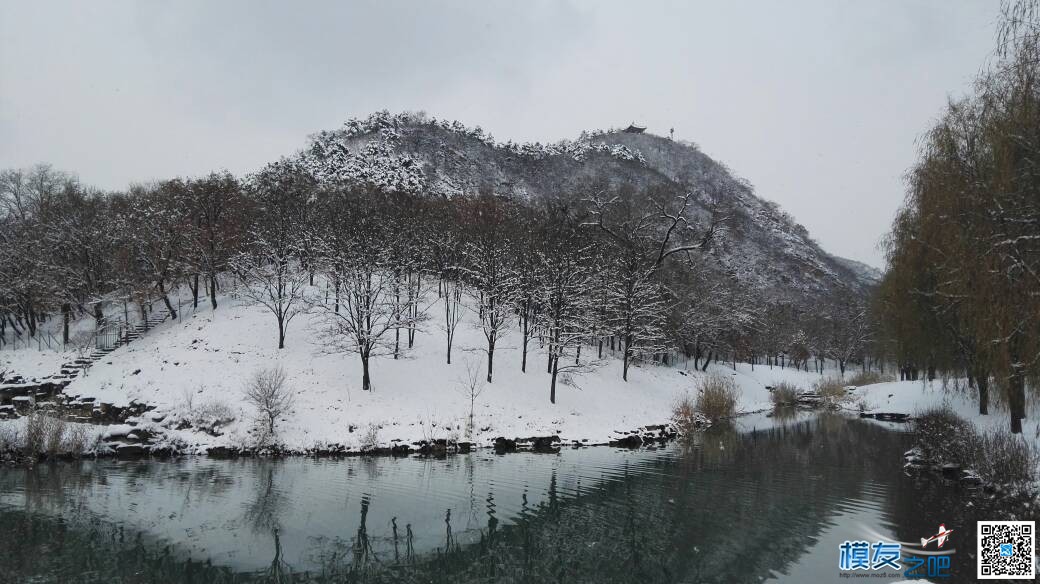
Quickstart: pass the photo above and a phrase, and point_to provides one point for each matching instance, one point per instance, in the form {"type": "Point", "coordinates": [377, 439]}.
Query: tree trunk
{"type": "Point", "coordinates": [281, 332]}
{"type": "Point", "coordinates": [491, 356]}
{"type": "Point", "coordinates": [1016, 399]}
{"type": "Point", "coordinates": [627, 357]}
{"type": "Point", "coordinates": [366, 380]}
{"type": "Point", "coordinates": [413, 311]}
{"type": "Point", "coordinates": [526, 333]}
{"type": "Point", "coordinates": [1016, 385]}
{"type": "Point", "coordinates": [194, 285]}
{"type": "Point", "coordinates": [397, 318]}
{"type": "Point", "coordinates": [30, 321]}
{"type": "Point", "coordinates": [213, 290]}
{"type": "Point", "coordinates": [707, 361]}
{"type": "Point", "coordinates": [982, 381]}
{"type": "Point", "coordinates": [66, 312]}
{"type": "Point", "coordinates": [552, 386]}
{"type": "Point", "coordinates": [448, 324]}
{"type": "Point", "coordinates": [166, 300]}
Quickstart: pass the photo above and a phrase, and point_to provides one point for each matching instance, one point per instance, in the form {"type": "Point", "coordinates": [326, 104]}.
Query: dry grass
{"type": "Point", "coordinates": [77, 440]}
{"type": "Point", "coordinates": [784, 394]}
{"type": "Point", "coordinates": [832, 390]}
{"type": "Point", "coordinates": [685, 415]}
{"type": "Point", "coordinates": [717, 398]}
{"type": "Point", "coordinates": [869, 378]}
{"type": "Point", "coordinates": [48, 436]}
{"type": "Point", "coordinates": [54, 435]}
{"type": "Point", "coordinates": [35, 436]}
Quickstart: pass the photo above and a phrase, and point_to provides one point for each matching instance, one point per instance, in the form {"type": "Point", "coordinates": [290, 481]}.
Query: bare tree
{"type": "Point", "coordinates": [488, 269]}
{"type": "Point", "coordinates": [446, 260]}
{"type": "Point", "coordinates": [271, 275]}
{"type": "Point", "coordinates": [564, 266]}
{"type": "Point", "coordinates": [472, 386]}
{"type": "Point", "coordinates": [216, 207]}
{"type": "Point", "coordinates": [272, 267]}
{"type": "Point", "coordinates": [267, 392]}
{"type": "Point", "coordinates": [356, 253]}
{"type": "Point", "coordinates": [646, 231]}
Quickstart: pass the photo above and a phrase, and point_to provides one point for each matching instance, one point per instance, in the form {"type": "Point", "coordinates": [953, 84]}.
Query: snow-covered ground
{"type": "Point", "coordinates": [200, 363]}
{"type": "Point", "coordinates": [913, 397]}
{"type": "Point", "coordinates": [33, 362]}
{"type": "Point", "coordinates": [197, 367]}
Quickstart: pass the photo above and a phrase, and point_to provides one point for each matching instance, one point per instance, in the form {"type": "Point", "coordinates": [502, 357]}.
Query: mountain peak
{"type": "Point", "coordinates": [764, 247]}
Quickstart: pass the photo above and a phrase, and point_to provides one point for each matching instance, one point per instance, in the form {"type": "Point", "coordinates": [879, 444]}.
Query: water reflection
{"type": "Point", "coordinates": [728, 506]}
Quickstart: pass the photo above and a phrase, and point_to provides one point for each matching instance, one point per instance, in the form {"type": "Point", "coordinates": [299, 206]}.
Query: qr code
{"type": "Point", "coordinates": [1006, 550]}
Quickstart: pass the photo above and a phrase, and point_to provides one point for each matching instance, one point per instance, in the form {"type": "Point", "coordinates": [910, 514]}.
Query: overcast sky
{"type": "Point", "coordinates": [817, 103]}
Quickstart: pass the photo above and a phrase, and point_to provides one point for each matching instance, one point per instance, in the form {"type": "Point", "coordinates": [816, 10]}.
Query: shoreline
{"type": "Point", "coordinates": [651, 436]}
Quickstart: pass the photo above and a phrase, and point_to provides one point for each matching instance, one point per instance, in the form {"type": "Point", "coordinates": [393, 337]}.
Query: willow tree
{"type": "Point", "coordinates": [963, 288]}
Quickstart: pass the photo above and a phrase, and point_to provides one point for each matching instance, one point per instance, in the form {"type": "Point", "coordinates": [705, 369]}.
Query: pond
{"type": "Point", "coordinates": [735, 505]}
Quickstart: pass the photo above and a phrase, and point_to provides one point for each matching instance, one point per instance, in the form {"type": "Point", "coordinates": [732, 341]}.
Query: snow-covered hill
{"type": "Point", "coordinates": [197, 367]}
{"type": "Point", "coordinates": [764, 247]}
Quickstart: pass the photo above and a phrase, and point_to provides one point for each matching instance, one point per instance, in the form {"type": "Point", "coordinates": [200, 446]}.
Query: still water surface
{"type": "Point", "coordinates": [734, 506]}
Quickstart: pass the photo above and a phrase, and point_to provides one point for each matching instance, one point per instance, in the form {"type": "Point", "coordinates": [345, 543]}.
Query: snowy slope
{"type": "Point", "coordinates": [913, 397]}
{"type": "Point", "coordinates": [206, 357]}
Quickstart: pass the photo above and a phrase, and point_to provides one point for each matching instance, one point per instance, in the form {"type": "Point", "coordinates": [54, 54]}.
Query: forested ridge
{"type": "Point", "coordinates": [628, 241]}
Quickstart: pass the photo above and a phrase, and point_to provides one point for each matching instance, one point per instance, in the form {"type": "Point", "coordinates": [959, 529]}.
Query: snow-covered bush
{"type": "Point", "coordinates": [208, 416]}
{"type": "Point", "coordinates": [213, 412]}
{"type": "Point", "coordinates": [717, 398]}
{"type": "Point", "coordinates": [998, 456]}
{"type": "Point", "coordinates": [370, 439]}
{"type": "Point", "coordinates": [10, 439]}
{"type": "Point", "coordinates": [454, 436]}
